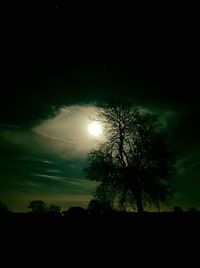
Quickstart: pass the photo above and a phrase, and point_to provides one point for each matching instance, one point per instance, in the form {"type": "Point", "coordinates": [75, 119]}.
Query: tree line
{"type": "Point", "coordinates": [95, 207]}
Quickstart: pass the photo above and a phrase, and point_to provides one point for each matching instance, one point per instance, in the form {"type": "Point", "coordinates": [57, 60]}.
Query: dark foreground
{"type": "Point", "coordinates": [101, 236]}
{"type": "Point", "coordinates": [119, 224]}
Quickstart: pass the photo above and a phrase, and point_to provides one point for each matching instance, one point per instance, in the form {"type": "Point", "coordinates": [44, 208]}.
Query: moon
{"type": "Point", "coordinates": [95, 128]}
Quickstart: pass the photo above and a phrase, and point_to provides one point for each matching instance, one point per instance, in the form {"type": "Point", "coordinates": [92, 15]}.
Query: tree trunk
{"type": "Point", "coordinates": [139, 203]}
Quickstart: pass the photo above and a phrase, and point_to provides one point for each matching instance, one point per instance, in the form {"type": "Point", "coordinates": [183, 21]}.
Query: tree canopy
{"type": "Point", "coordinates": [38, 206]}
{"type": "Point", "coordinates": [3, 208]}
{"type": "Point", "coordinates": [135, 163]}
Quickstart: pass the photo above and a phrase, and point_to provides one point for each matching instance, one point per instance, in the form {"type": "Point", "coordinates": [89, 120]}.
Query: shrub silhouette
{"type": "Point", "coordinates": [76, 211]}
{"type": "Point", "coordinates": [3, 209]}
{"type": "Point", "coordinates": [38, 207]}
{"type": "Point", "coordinates": [54, 210]}
{"type": "Point", "coordinates": [98, 207]}
{"type": "Point", "coordinates": [193, 210]}
{"type": "Point", "coordinates": [177, 209]}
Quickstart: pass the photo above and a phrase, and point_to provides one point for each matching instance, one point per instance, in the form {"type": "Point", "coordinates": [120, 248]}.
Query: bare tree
{"type": "Point", "coordinates": [134, 164]}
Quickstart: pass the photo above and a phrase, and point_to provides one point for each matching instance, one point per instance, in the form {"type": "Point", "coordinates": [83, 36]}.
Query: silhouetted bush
{"type": "Point", "coordinates": [76, 211]}
{"type": "Point", "coordinates": [3, 209]}
{"type": "Point", "coordinates": [177, 209]}
{"type": "Point", "coordinates": [98, 207]}
{"type": "Point", "coordinates": [193, 210]}
{"type": "Point", "coordinates": [38, 207]}
{"type": "Point", "coordinates": [54, 210]}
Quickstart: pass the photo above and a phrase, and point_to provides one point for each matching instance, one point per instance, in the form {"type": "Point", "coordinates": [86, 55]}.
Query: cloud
{"type": "Point", "coordinates": [68, 130]}
{"type": "Point", "coordinates": [46, 161]}
{"type": "Point", "coordinates": [41, 96]}
{"type": "Point", "coordinates": [63, 136]}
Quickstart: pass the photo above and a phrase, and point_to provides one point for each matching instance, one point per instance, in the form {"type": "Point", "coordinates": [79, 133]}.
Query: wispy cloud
{"type": "Point", "coordinates": [9, 126]}
{"type": "Point", "coordinates": [53, 171]}
{"type": "Point", "coordinates": [54, 138]}
{"type": "Point", "coordinates": [55, 178]}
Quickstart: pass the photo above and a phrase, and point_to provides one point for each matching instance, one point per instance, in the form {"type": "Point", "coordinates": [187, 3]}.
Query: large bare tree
{"type": "Point", "coordinates": [134, 164]}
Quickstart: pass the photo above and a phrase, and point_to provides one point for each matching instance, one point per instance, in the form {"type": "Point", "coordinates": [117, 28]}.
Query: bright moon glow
{"type": "Point", "coordinates": [95, 128]}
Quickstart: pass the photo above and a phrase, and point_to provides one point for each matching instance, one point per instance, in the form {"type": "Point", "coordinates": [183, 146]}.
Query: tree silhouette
{"type": "Point", "coordinates": [76, 211]}
{"type": "Point", "coordinates": [193, 210]}
{"type": "Point", "coordinates": [54, 210]}
{"type": "Point", "coordinates": [95, 206]}
{"type": "Point", "coordinates": [3, 208]}
{"type": "Point", "coordinates": [134, 164]}
{"type": "Point", "coordinates": [177, 209]}
{"type": "Point", "coordinates": [38, 206]}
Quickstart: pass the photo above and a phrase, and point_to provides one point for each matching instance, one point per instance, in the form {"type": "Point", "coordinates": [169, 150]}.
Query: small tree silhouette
{"type": "Point", "coordinates": [54, 210]}
{"type": "Point", "coordinates": [95, 206]}
{"type": "Point", "coordinates": [38, 206]}
{"type": "Point", "coordinates": [193, 210]}
{"type": "Point", "coordinates": [3, 209]}
{"type": "Point", "coordinates": [177, 209]}
{"type": "Point", "coordinates": [76, 211]}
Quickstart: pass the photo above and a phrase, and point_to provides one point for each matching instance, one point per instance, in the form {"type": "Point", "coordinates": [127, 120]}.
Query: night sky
{"type": "Point", "coordinates": [59, 63]}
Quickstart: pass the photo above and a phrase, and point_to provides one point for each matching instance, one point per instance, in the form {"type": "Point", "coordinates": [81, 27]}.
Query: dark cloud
{"type": "Point", "coordinates": [37, 99]}
{"type": "Point", "coordinates": [47, 160]}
